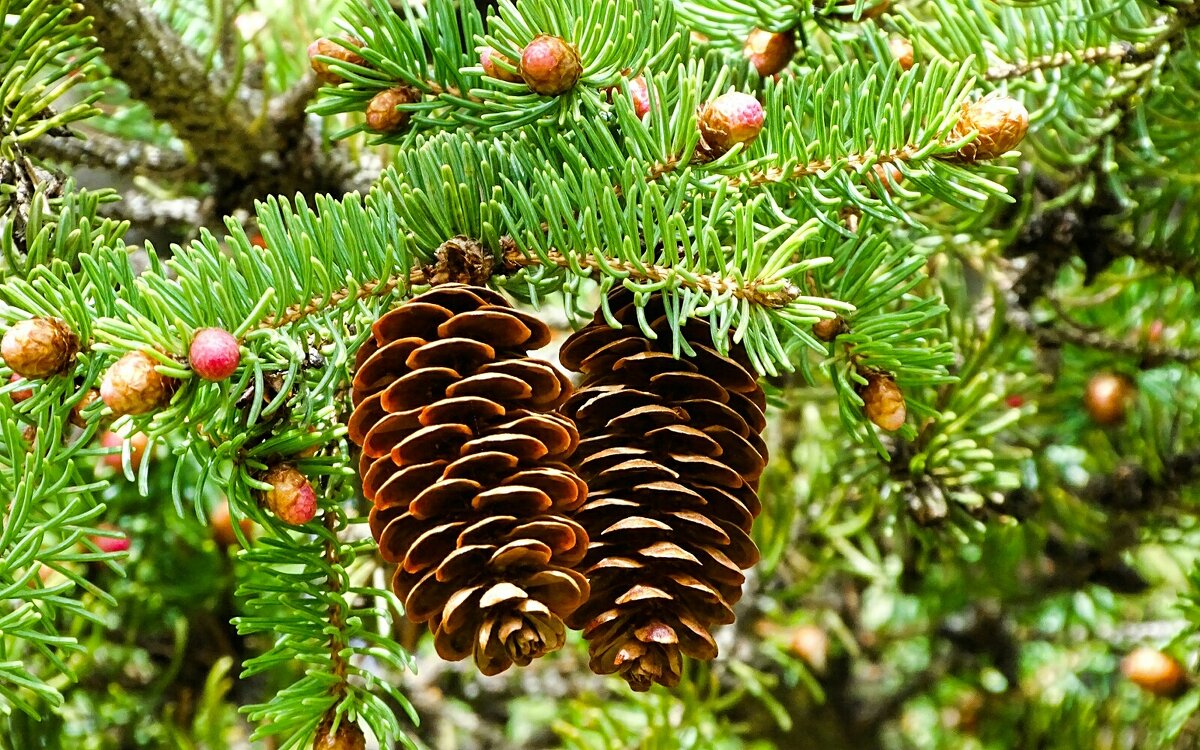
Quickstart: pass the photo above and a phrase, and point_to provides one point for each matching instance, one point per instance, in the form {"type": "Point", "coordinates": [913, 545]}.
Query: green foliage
{"type": "Point", "coordinates": [43, 50]}
{"type": "Point", "coordinates": [970, 562]}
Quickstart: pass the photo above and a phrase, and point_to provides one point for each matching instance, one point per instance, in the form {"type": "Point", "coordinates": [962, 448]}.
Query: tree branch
{"type": "Point", "coordinates": [170, 78]}
{"type": "Point", "coordinates": [105, 151]}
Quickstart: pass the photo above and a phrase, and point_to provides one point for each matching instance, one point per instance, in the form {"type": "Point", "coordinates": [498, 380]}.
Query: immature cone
{"type": "Point", "coordinates": [133, 386]}
{"type": "Point", "coordinates": [902, 51]}
{"type": "Point", "coordinates": [348, 736]}
{"type": "Point", "coordinates": [291, 497]}
{"type": "Point", "coordinates": [550, 66]}
{"type": "Point", "coordinates": [671, 451]}
{"type": "Point", "coordinates": [20, 394]}
{"type": "Point", "coordinates": [220, 523]}
{"type": "Point", "coordinates": [77, 418]}
{"type": "Point", "coordinates": [38, 347]}
{"type": "Point", "coordinates": [463, 459]}
{"type": "Point", "coordinates": [137, 448]}
{"type": "Point", "coordinates": [883, 402]}
{"type": "Point", "coordinates": [382, 115]}
{"type": "Point", "coordinates": [331, 48]}
{"type": "Point", "coordinates": [488, 59]}
{"type": "Point", "coordinates": [119, 543]}
{"type": "Point", "coordinates": [770, 52]}
{"type": "Point", "coordinates": [829, 329]}
{"type": "Point", "coordinates": [1001, 121]}
{"type": "Point", "coordinates": [214, 354]}
{"type": "Point", "coordinates": [728, 120]}
{"type": "Point", "coordinates": [1154, 672]}
{"type": "Point", "coordinates": [1107, 398]}
{"type": "Point", "coordinates": [639, 93]}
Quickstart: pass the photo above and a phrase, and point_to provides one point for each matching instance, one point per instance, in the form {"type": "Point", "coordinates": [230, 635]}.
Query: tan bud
{"type": "Point", "coordinates": [38, 347]}
{"type": "Point", "coordinates": [1154, 672]}
{"type": "Point", "coordinates": [770, 52]}
{"type": "Point", "coordinates": [133, 386]}
{"type": "Point", "coordinates": [334, 49]}
{"type": "Point", "coordinates": [382, 115]}
{"type": "Point", "coordinates": [1001, 121]}
{"type": "Point", "coordinates": [884, 402]}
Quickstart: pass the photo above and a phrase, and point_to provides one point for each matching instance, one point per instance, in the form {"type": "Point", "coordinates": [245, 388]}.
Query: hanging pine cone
{"type": "Point", "coordinates": [671, 451]}
{"type": "Point", "coordinates": [462, 456]}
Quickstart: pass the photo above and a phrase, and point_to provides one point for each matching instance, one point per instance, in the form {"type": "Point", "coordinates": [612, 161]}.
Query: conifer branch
{"type": "Point", "coordinates": [1067, 331]}
{"type": "Point", "coordinates": [1118, 52]}
{"type": "Point", "coordinates": [102, 150]}
{"type": "Point", "coordinates": [514, 259]}
{"type": "Point", "coordinates": [170, 78]}
{"type": "Point", "coordinates": [336, 616]}
{"type": "Point", "coordinates": [245, 156]}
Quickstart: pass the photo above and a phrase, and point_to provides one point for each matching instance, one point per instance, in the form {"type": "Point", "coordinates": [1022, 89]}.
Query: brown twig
{"type": "Point", "coordinates": [515, 259]}
{"type": "Point", "coordinates": [1118, 52]}
{"type": "Point", "coordinates": [102, 150]}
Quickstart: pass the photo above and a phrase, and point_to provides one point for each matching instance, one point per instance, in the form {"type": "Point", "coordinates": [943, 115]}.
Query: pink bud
{"type": "Point", "coordinates": [291, 497]}
{"type": "Point", "coordinates": [214, 354]}
{"type": "Point", "coordinates": [111, 544]}
{"type": "Point", "coordinates": [640, 95]}
{"type": "Point", "coordinates": [137, 448]}
{"type": "Point", "coordinates": [19, 396]}
{"type": "Point", "coordinates": [731, 119]}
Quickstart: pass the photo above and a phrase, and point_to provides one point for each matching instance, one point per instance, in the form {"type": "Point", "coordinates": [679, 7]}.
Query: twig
{"type": "Point", "coordinates": [336, 615]}
{"type": "Point", "coordinates": [170, 78]}
{"type": "Point", "coordinates": [161, 213]}
{"type": "Point", "coordinates": [1113, 53]}
{"type": "Point", "coordinates": [101, 150]}
{"type": "Point", "coordinates": [1067, 331]}
{"type": "Point", "coordinates": [514, 259]}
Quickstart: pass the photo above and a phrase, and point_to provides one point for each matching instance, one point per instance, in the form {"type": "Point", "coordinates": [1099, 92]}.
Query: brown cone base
{"type": "Point", "coordinates": [671, 451]}
{"type": "Point", "coordinates": [463, 459]}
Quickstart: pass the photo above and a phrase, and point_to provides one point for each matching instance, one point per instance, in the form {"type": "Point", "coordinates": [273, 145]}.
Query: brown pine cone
{"type": "Point", "coordinates": [671, 450]}
{"type": "Point", "coordinates": [463, 459]}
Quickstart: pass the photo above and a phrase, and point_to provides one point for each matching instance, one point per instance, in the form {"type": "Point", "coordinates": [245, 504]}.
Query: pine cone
{"type": "Point", "coordinates": [671, 451]}
{"type": "Point", "coordinates": [462, 456]}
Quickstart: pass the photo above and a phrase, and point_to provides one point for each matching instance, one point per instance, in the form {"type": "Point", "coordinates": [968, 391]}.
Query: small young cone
{"type": "Point", "coordinates": [334, 49]}
{"type": "Point", "coordinates": [462, 457]}
{"type": "Point", "coordinates": [347, 736]}
{"type": "Point", "coordinates": [902, 51]}
{"type": "Point", "coordinates": [20, 394]}
{"type": "Point", "coordinates": [137, 448]}
{"type": "Point", "coordinates": [382, 115]}
{"type": "Point", "coordinates": [291, 497]}
{"type": "Point", "coordinates": [884, 402]}
{"type": "Point", "coordinates": [489, 59]}
{"type": "Point", "coordinates": [1107, 398]}
{"type": "Point", "coordinates": [1002, 123]}
{"type": "Point", "coordinates": [1154, 672]}
{"type": "Point", "coordinates": [214, 354]}
{"type": "Point", "coordinates": [133, 386]}
{"type": "Point", "coordinates": [220, 523]}
{"type": "Point", "coordinates": [88, 399]}
{"type": "Point", "coordinates": [550, 66]}
{"type": "Point", "coordinates": [38, 347]}
{"type": "Point", "coordinates": [829, 328]}
{"type": "Point", "coordinates": [672, 452]}
{"type": "Point", "coordinates": [728, 120]}
{"type": "Point", "coordinates": [770, 52]}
